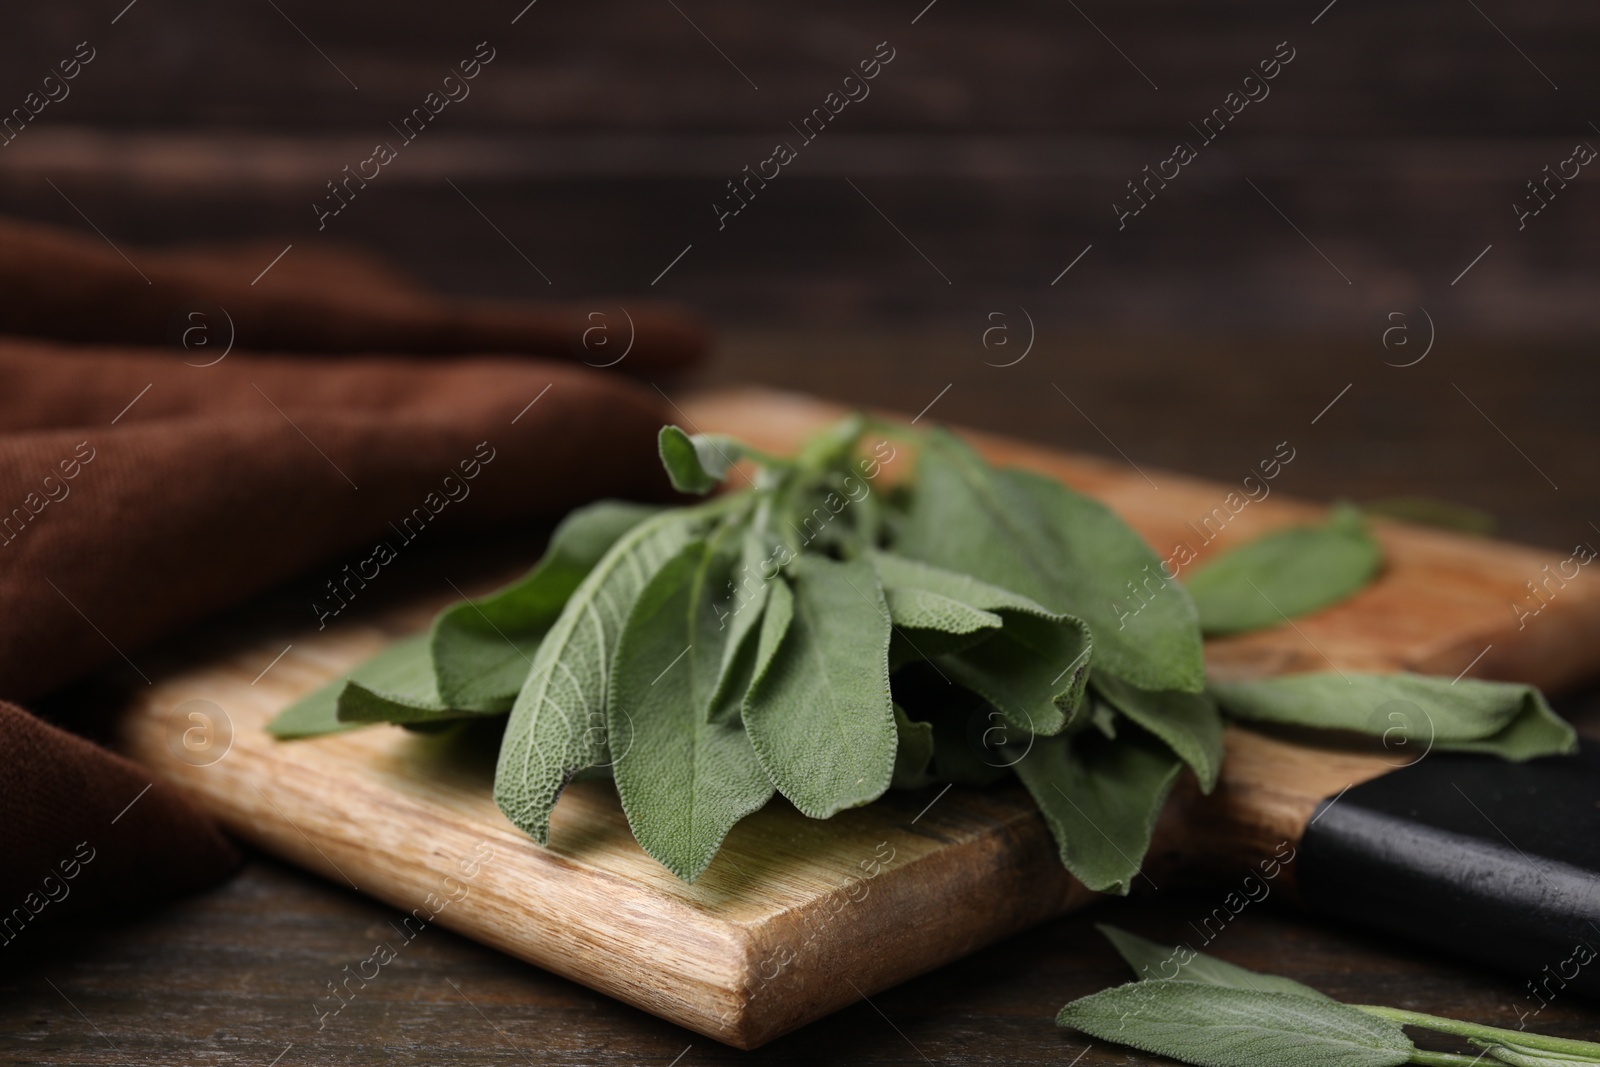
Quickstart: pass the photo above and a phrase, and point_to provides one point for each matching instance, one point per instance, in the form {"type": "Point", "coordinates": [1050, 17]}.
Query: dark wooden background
{"type": "Point", "coordinates": [1222, 320]}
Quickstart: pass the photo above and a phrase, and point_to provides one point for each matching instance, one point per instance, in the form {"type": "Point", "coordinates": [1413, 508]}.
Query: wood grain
{"type": "Point", "coordinates": [796, 918]}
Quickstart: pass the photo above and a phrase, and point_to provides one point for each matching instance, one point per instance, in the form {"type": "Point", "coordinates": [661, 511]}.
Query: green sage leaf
{"type": "Point", "coordinates": [1287, 573]}
{"type": "Point", "coordinates": [1188, 722]}
{"type": "Point", "coordinates": [558, 723]}
{"type": "Point", "coordinates": [1028, 661]}
{"type": "Point", "coordinates": [1218, 1026]}
{"type": "Point", "coordinates": [1034, 671]}
{"type": "Point", "coordinates": [684, 780]}
{"type": "Point", "coordinates": [819, 712]}
{"type": "Point", "coordinates": [402, 670]}
{"type": "Point", "coordinates": [406, 692]}
{"type": "Point", "coordinates": [697, 464]}
{"type": "Point", "coordinates": [1030, 534]}
{"type": "Point", "coordinates": [913, 751]}
{"type": "Point", "coordinates": [760, 562]}
{"type": "Point", "coordinates": [1506, 719]}
{"type": "Point", "coordinates": [1156, 962]}
{"type": "Point", "coordinates": [484, 648]}
{"type": "Point", "coordinates": [1101, 799]}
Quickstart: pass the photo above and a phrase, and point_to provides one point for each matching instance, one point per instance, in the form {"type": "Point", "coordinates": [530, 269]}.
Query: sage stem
{"type": "Point", "coordinates": [1520, 1038]}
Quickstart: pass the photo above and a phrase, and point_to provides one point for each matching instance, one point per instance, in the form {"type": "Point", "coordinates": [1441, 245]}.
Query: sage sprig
{"type": "Point", "coordinates": [819, 635]}
{"type": "Point", "coordinates": [1205, 1011]}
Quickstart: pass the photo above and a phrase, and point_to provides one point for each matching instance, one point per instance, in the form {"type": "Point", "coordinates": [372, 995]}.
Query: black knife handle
{"type": "Point", "coordinates": [1492, 861]}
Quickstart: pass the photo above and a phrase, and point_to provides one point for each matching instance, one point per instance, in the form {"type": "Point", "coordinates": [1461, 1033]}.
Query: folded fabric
{"type": "Point", "coordinates": [316, 298]}
{"type": "Point", "coordinates": [142, 489]}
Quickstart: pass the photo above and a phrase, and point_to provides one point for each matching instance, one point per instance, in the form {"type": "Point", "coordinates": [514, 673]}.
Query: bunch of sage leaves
{"type": "Point", "coordinates": [816, 634]}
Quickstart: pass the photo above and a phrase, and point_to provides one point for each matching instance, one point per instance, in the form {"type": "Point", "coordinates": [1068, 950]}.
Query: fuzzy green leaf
{"type": "Point", "coordinates": [1188, 722]}
{"type": "Point", "coordinates": [749, 586]}
{"type": "Point", "coordinates": [313, 715]}
{"type": "Point", "coordinates": [558, 723]}
{"type": "Point", "coordinates": [483, 648]}
{"type": "Point", "coordinates": [1027, 533]}
{"type": "Point", "coordinates": [1217, 1026]}
{"type": "Point", "coordinates": [1156, 962]}
{"type": "Point", "coordinates": [1289, 573]}
{"type": "Point", "coordinates": [1028, 661]}
{"type": "Point", "coordinates": [683, 779]}
{"type": "Point", "coordinates": [697, 464]}
{"type": "Point", "coordinates": [405, 692]}
{"type": "Point", "coordinates": [1101, 799]}
{"type": "Point", "coordinates": [913, 751]}
{"type": "Point", "coordinates": [819, 713]}
{"type": "Point", "coordinates": [402, 669]}
{"type": "Point", "coordinates": [1505, 719]}
{"type": "Point", "coordinates": [1034, 671]}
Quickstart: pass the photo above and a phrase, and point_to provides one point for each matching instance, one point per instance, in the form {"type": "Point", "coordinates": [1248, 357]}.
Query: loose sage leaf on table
{"type": "Point", "coordinates": [558, 723]}
{"type": "Point", "coordinates": [1505, 719]}
{"type": "Point", "coordinates": [1101, 799]}
{"type": "Point", "coordinates": [401, 669]}
{"type": "Point", "coordinates": [1156, 962]}
{"type": "Point", "coordinates": [819, 711]}
{"type": "Point", "coordinates": [483, 648]}
{"type": "Point", "coordinates": [1287, 573]}
{"type": "Point", "coordinates": [1032, 535]}
{"type": "Point", "coordinates": [684, 780]}
{"type": "Point", "coordinates": [1189, 723]}
{"type": "Point", "coordinates": [1220, 1026]}
{"type": "Point", "coordinates": [697, 464]}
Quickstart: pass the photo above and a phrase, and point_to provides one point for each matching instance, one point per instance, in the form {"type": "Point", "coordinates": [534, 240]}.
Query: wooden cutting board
{"type": "Point", "coordinates": [796, 918]}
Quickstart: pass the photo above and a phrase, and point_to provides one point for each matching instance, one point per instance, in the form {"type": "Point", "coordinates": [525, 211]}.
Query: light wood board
{"type": "Point", "coordinates": [796, 918]}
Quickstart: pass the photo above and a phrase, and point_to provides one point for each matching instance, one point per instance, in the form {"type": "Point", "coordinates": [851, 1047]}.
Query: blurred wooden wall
{"type": "Point", "coordinates": [996, 141]}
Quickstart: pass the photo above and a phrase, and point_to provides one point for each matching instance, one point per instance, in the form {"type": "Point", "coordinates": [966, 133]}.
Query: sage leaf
{"type": "Point", "coordinates": [1027, 533]}
{"type": "Point", "coordinates": [937, 612]}
{"type": "Point", "coordinates": [748, 589]}
{"type": "Point", "coordinates": [1218, 1026]}
{"type": "Point", "coordinates": [819, 712]}
{"type": "Point", "coordinates": [697, 464]}
{"type": "Point", "coordinates": [558, 723]}
{"type": "Point", "coordinates": [404, 690]}
{"type": "Point", "coordinates": [1505, 719]}
{"type": "Point", "coordinates": [913, 751]}
{"type": "Point", "coordinates": [1101, 799]}
{"type": "Point", "coordinates": [401, 668]}
{"type": "Point", "coordinates": [313, 715]}
{"type": "Point", "coordinates": [919, 609]}
{"type": "Point", "coordinates": [1033, 669]}
{"type": "Point", "coordinates": [1287, 573]}
{"type": "Point", "coordinates": [1156, 962]}
{"type": "Point", "coordinates": [483, 648]}
{"type": "Point", "coordinates": [1188, 722]}
{"type": "Point", "coordinates": [684, 780]}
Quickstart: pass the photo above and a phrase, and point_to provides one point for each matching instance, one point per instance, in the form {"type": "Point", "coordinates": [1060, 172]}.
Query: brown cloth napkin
{"type": "Point", "coordinates": [314, 299]}
{"type": "Point", "coordinates": [140, 492]}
